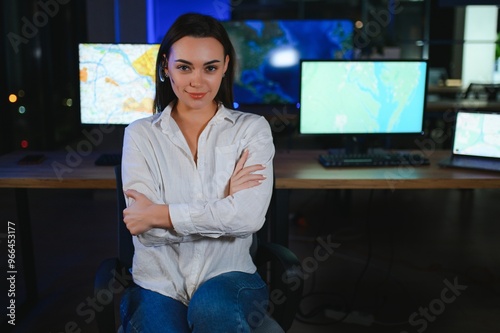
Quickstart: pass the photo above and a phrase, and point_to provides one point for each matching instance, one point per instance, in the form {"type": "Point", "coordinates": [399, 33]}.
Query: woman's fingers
{"type": "Point", "coordinates": [253, 180]}
{"type": "Point", "coordinates": [133, 194]}
{"type": "Point", "coordinates": [244, 176]}
{"type": "Point", "coordinates": [248, 170]}
{"type": "Point", "coordinates": [241, 162]}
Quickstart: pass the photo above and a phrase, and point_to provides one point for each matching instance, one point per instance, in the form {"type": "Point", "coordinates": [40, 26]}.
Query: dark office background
{"type": "Point", "coordinates": [40, 54]}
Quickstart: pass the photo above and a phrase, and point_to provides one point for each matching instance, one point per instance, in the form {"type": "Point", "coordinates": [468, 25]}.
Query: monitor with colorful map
{"type": "Point", "coordinates": [117, 82]}
{"type": "Point", "coordinates": [269, 52]}
{"type": "Point", "coordinates": [362, 96]}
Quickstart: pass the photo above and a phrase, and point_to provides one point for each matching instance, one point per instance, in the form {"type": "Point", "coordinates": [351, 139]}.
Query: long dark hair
{"type": "Point", "coordinates": [199, 26]}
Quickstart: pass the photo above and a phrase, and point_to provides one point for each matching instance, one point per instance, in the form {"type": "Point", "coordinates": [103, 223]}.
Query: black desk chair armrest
{"type": "Point", "coordinates": [286, 281]}
{"type": "Point", "coordinates": [110, 281]}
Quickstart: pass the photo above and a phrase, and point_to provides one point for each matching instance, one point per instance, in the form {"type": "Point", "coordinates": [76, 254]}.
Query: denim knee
{"type": "Point", "coordinates": [146, 311]}
{"type": "Point", "coordinates": [229, 302]}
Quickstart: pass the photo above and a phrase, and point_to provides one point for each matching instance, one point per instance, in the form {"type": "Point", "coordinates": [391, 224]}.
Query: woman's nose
{"type": "Point", "coordinates": [195, 79]}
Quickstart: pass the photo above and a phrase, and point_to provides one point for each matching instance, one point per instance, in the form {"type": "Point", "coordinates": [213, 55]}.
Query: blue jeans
{"type": "Point", "coordinates": [230, 302]}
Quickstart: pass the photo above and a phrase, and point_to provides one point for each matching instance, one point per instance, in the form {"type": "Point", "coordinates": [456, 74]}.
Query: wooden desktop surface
{"type": "Point", "coordinates": [300, 169]}
{"type": "Point", "coordinates": [451, 104]}
{"type": "Point", "coordinates": [59, 170]}
{"type": "Point", "coordinates": [296, 169]}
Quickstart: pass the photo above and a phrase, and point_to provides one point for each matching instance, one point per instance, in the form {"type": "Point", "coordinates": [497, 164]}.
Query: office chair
{"type": "Point", "coordinates": [278, 266]}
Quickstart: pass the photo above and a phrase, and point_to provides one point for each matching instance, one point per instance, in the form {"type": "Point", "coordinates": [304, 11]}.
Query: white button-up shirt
{"type": "Point", "coordinates": [212, 232]}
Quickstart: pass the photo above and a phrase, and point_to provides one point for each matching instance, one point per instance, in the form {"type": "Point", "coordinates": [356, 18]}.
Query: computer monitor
{"type": "Point", "coordinates": [362, 97]}
{"type": "Point", "coordinates": [269, 53]}
{"type": "Point", "coordinates": [117, 82]}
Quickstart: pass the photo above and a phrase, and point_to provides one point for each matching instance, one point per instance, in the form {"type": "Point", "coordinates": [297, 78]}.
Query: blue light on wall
{"type": "Point", "coordinates": [117, 21]}
{"type": "Point", "coordinates": [162, 13]}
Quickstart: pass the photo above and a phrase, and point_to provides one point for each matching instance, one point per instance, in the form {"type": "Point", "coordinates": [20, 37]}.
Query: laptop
{"type": "Point", "coordinates": [476, 141]}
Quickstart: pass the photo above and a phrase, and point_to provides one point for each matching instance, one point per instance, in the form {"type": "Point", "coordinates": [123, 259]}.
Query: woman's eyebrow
{"type": "Point", "coordinates": [190, 63]}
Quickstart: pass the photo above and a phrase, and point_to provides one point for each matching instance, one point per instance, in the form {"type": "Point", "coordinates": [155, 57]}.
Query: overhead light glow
{"type": "Point", "coordinates": [284, 57]}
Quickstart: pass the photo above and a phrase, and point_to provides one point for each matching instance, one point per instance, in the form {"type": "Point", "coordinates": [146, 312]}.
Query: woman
{"type": "Point", "coordinates": [198, 180]}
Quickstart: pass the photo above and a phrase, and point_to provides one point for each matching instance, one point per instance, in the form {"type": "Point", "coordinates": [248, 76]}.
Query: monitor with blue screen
{"type": "Point", "coordinates": [362, 97]}
{"type": "Point", "coordinates": [269, 53]}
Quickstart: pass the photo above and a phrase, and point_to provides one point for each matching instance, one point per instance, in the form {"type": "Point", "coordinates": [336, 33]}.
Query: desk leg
{"type": "Point", "coordinates": [279, 229]}
{"type": "Point", "coordinates": [466, 207]}
{"type": "Point", "coordinates": [24, 228]}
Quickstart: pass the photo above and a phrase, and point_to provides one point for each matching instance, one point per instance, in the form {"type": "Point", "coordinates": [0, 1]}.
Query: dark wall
{"type": "Point", "coordinates": [101, 14]}
{"type": "Point", "coordinates": [5, 133]}
{"type": "Point", "coordinates": [106, 23]}
{"type": "Point", "coordinates": [442, 23]}
{"type": "Point", "coordinates": [41, 69]}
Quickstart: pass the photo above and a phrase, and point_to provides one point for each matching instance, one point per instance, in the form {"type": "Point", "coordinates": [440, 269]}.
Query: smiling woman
{"type": "Point", "coordinates": [198, 180]}
{"type": "Point", "coordinates": [196, 81]}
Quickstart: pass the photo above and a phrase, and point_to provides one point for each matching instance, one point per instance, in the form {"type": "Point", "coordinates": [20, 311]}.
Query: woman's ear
{"type": "Point", "coordinates": [163, 70]}
{"type": "Point", "coordinates": [164, 61]}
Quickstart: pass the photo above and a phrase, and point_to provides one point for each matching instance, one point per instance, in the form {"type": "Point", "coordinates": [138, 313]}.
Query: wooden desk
{"type": "Point", "coordinates": [445, 90]}
{"type": "Point", "coordinates": [296, 170]}
{"type": "Point", "coordinates": [60, 170]}
{"type": "Point", "coordinates": [444, 105]}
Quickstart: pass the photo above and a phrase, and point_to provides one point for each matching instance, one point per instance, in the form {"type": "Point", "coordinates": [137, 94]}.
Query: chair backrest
{"type": "Point", "coordinates": [125, 244]}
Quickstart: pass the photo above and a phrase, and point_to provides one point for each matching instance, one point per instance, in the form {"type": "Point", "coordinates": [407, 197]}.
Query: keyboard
{"type": "Point", "coordinates": [108, 159]}
{"type": "Point", "coordinates": [333, 160]}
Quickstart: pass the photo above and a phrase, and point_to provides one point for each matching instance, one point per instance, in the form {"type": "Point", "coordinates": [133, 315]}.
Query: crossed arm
{"type": "Point", "coordinates": [142, 214]}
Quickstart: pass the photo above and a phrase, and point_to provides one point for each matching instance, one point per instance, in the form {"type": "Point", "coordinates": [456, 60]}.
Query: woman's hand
{"type": "Point", "coordinates": [244, 177]}
{"type": "Point", "coordinates": [143, 214]}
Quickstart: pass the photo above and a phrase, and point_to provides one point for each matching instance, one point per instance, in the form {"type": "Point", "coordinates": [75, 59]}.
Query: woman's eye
{"type": "Point", "coordinates": [211, 68]}
{"type": "Point", "coordinates": [183, 67]}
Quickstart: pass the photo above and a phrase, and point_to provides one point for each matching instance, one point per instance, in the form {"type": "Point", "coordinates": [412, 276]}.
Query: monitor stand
{"type": "Point", "coordinates": [359, 144]}
{"type": "Point", "coordinates": [352, 144]}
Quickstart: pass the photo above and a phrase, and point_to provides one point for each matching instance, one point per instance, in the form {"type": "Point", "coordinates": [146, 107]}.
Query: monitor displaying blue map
{"type": "Point", "coordinates": [117, 82]}
{"type": "Point", "coordinates": [269, 53]}
{"type": "Point", "coordinates": [362, 96]}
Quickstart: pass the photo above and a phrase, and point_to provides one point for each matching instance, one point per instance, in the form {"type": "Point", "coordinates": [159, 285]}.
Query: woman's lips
{"type": "Point", "coordinates": [197, 95]}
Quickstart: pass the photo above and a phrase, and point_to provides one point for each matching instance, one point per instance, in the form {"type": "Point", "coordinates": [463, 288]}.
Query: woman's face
{"type": "Point", "coordinates": [196, 67]}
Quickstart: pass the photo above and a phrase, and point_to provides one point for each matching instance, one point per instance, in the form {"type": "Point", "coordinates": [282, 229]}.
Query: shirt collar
{"type": "Point", "coordinates": [163, 116]}
{"type": "Point", "coordinates": [224, 113]}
